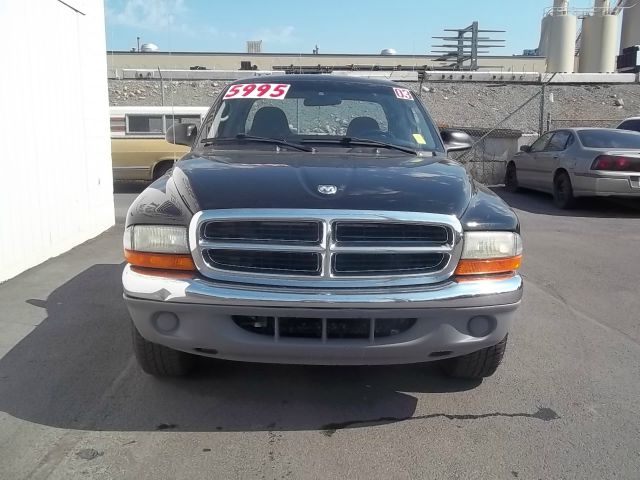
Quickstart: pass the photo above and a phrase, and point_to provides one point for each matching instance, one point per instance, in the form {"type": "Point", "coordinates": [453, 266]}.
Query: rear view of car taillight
{"type": "Point", "coordinates": [616, 163]}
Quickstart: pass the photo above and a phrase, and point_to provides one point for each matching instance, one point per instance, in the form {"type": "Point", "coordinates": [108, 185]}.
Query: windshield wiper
{"type": "Point", "coordinates": [360, 141]}
{"type": "Point", "coordinates": [253, 138]}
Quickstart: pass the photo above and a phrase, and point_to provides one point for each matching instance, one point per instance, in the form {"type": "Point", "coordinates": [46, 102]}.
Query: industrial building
{"type": "Point", "coordinates": [119, 60]}
{"type": "Point", "coordinates": [571, 40]}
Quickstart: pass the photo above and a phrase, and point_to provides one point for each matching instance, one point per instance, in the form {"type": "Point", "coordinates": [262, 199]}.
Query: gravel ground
{"type": "Point", "coordinates": [477, 105]}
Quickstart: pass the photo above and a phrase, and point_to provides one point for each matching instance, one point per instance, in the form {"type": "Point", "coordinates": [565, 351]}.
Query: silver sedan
{"type": "Point", "coordinates": [579, 162]}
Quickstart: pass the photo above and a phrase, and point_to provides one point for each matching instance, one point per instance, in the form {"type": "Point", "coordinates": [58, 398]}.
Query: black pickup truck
{"type": "Point", "coordinates": [318, 220]}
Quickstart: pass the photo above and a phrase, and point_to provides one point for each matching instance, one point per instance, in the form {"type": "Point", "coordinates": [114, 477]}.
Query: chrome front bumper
{"type": "Point", "coordinates": [192, 289]}
{"type": "Point", "coordinates": [204, 310]}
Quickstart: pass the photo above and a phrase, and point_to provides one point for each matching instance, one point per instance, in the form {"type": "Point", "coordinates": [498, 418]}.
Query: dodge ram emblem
{"type": "Point", "coordinates": [327, 189]}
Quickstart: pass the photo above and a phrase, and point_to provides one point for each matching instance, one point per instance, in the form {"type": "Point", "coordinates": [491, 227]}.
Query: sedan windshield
{"type": "Point", "coordinates": [610, 139]}
{"type": "Point", "coordinates": [323, 114]}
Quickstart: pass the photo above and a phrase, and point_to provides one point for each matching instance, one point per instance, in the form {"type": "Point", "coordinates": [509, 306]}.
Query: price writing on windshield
{"type": "Point", "coordinates": [273, 91]}
{"type": "Point", "coordinates": [403, 93]}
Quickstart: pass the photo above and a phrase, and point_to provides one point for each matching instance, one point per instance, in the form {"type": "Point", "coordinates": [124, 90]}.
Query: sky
{"type": "Point", "coordinates": [335, 26]}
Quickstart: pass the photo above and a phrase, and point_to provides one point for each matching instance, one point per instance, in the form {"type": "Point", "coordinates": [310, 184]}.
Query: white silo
{"type": "Point", "coordinates": [599, 40]}
{"type": "Point", "coordinates": [630, 25]}
{"type": "Point", "coordinates": [559, 45]}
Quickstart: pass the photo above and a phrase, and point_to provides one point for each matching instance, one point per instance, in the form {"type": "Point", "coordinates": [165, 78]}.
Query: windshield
{"type": "Point", "coordinates": [323, 112]}
{"type": "Point", "coordinates": [609, 139]}
{"type": "Point", "coordinates": [631, 124]}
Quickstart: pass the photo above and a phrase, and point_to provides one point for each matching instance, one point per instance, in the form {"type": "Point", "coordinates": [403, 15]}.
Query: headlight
{"type": "Point", "coordinates": [485, 245]}
{"type": "Point", "coordinates": [158, 246]}
{"type": "Point", "coordinates": [490, 252]}
{"type": "Point", "coordinates": [156, 238]}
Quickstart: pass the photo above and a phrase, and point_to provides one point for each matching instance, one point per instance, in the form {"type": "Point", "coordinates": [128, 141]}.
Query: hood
{"type": "Point", "coordinates": [255, 179]}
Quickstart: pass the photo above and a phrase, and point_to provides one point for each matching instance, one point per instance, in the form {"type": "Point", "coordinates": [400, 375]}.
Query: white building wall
{"type": "Point", "coordinates": [57, 188]}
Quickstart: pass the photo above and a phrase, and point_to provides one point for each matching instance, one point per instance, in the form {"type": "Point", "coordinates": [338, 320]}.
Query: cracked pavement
{"type": "Point", "coordinates": [74, 404]}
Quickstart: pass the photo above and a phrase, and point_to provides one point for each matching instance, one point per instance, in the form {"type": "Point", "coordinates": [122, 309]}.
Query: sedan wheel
{"type": "Point", "coordinates": [563, 191]}
{"type": "Point", "coordinates": [511, 179]}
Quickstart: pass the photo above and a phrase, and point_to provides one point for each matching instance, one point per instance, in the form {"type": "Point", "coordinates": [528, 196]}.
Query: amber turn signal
{"type": "Point", "coordinates": [491, 266]}
{"type": "Point", "coordinates": [159, 260]}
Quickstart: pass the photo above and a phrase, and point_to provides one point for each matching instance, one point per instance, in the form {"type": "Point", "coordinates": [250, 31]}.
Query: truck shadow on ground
{"type": "Point", "coordinates": [542, 203]}
{"type": "Point", "coordinates": [130, 187]}
{"type": "Point", "coordinates": [76, 371]}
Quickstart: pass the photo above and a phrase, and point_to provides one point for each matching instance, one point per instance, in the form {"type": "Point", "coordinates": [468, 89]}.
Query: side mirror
{"type": "Point", "coordinates": [182, 133]}
{"type": "Point", "coordinates": [456, 140]}
{"type": "Point", "coordinates": [525, 148]}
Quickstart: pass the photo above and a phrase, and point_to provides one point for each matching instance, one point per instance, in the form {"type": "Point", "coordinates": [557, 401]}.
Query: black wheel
{"type": "Point", "coordinates": [161, 169]}
{"type": "Point", "coordinates": [511, 179]}
{"type": "Point", "coordinates": [563, 191]}
{"type": "Point", "coordinates": [476, 365]}
{"type": "Point", "coordinates": [159, 360]}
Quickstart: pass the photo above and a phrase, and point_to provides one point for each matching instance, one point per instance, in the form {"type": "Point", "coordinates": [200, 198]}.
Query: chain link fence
{"type": "Point", "coordinates": [496, 129]}
{"type": "Point", "coordinates": [477, 107]}
{"type": "Point", "coordinates": [492, 150]}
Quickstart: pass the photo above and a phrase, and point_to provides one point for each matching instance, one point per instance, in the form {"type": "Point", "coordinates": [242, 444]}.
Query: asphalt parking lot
{"type": "Point", "coordinates": [74, 404]}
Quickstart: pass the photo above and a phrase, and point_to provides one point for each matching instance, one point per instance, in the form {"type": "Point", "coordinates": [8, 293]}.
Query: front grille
{"type": "Point", "coordinates": [368, 329]}
{"type": "Point", "coordinates": [325, 248]}
{"type": "Point", "coordinates": [300, 263]}
{"type": "Point", "coordinates": [389, 233]}
{"type": "Point", "coordinates": [263, 231]}
{"type": "Point", "coordinates": [387, 263]}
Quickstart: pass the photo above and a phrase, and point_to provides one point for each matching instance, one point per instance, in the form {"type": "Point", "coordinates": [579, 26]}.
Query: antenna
{"type": "Point", "coordinates": [465, 46]}
{"type": "Point", "coordinates": [254, 46]}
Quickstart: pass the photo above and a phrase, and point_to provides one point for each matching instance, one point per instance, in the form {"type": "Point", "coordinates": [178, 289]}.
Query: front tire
{"type": "Point", "coordinates": [161, 361]}
{"type": "Point", "coordinates": [563, 191]}
{"type": "Point", "coordinates": [511, 179]}
{"type": "Point", "coordinates": [477, 365]}
{"type": "Point", "coordinates": [161, 169]}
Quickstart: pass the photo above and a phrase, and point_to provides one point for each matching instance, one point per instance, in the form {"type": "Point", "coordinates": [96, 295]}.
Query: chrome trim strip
{"type": "Point", "coordinates": [326, 247]}
{"type": "Point", "coordinates": [195, 290]}
{"type": "Point", "coordinates": [387, 249]}
{"type": "Point", "coordinates": [272, 247]}
{"type": "Point", "coordinates": [327, 258]}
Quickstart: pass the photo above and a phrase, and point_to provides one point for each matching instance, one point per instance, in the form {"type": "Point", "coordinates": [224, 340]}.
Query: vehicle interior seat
{"type": "Point", "coordinates": [362, 125]}
{"type": "Point", "coordinates": [270, 122]}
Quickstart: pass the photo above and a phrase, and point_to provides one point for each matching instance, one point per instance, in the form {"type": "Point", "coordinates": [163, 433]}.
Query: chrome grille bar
{"type": "Point", "coordinates": [391, 249]}
{"type": "Point", "coordinates": [430, 226]}
{"type": "Point", "coordinates": [275, 246]}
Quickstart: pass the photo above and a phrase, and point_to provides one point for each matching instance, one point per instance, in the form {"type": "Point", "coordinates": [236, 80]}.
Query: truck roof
{"type": "Point", "coordinates": [317, 78]}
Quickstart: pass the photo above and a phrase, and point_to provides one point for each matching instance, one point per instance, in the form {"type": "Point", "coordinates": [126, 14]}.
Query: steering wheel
{"type": "Point", "coordinates": [378, 135]}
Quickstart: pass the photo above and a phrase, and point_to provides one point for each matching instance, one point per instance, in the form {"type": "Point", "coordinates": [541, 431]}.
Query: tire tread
{"type": "Point", "coordinates": [480, 364]}
{"type": "Point", "coordinates": [511, 187]}
{"type": "Point", "coordinates": [159, 360]}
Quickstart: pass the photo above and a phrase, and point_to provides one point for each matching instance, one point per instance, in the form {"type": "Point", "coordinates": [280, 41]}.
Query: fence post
{"type": "Point", "coordinates": [548, 121]}
{"type": "Point", "coordinates": [161, 86]}
{"type": "Point", "coordinates": [542, 102]}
